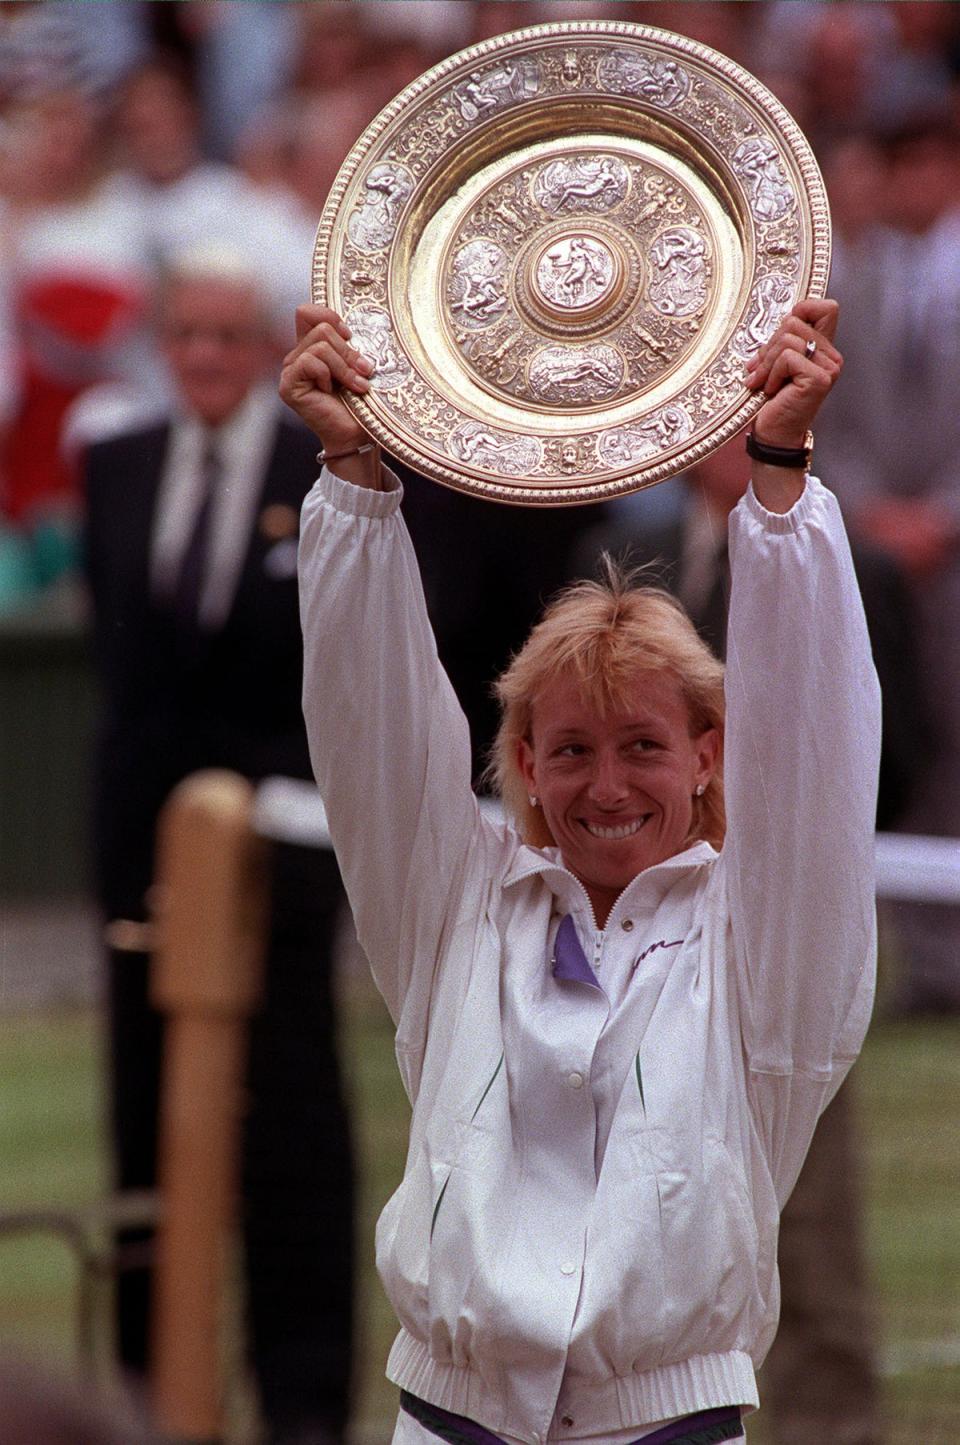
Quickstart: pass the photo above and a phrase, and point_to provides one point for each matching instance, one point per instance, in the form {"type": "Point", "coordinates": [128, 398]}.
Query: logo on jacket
{"type": "Point", "coordinates": [660, 943]}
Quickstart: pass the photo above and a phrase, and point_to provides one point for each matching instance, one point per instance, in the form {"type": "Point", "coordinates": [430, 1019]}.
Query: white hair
{"type": "Point", "coordinates": [219, 262]}
{"type": "Point", "coordinates": [212, 261]}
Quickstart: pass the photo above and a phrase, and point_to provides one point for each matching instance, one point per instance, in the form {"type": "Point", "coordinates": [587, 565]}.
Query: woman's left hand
{"type": "Point", "coordinates": [795, 370]}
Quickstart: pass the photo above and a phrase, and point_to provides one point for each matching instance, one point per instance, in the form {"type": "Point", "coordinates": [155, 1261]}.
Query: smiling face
{"type": "Point", "coordinates": [616, 789]}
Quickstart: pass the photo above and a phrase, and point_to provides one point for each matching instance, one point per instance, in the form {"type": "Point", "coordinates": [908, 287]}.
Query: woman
{"type": "Point", "coordinates": [616, 1034]}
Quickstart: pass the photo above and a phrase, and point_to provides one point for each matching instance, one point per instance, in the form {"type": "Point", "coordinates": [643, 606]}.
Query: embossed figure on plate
{"type": "Point", "coordinates": [772, 298]}
{"type": "Point", "coordinates": [373, 335]}
{"type": "Point", "coordinates": [570, 68]}
{"type": "Point", "coordinates": [581, 183]}
{"type": "Point", "coordinates": [475, 287]}
{"type": "Point", "coordinates": [585, 374]}
{"type": "Point", "coordinates": [626, 445]}
{"type": "Point", "coordinates": [678, 286]}
{"type": "Point", "coordinates": [661, 81]}
{"type": "Point", "coordinates": [575, 272]}
{"type": "Point", "coordinates": [371, 227]}
{"type": "Point", "coordinates": [497, 358]}
{"type": "Point", "coordinates": [571, 455]}
{"type": "Point", "coordinates": [483, 446]}
{"type": "Point", "coordinates": [484, 92]}
{"type": "Point", "coordinates": [757, 163]}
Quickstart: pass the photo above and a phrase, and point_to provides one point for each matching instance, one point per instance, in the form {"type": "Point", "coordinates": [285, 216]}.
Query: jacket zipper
{"type": "Point", "coordinates": [599, 935]}
{"type": "Point", "coordinates": [598, 938]}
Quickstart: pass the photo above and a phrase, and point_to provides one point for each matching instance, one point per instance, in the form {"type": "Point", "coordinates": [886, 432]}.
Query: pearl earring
{"type": "Point", "coordinates": [534, 802]}
{"type": "Point", "coordinates": [700, 789]}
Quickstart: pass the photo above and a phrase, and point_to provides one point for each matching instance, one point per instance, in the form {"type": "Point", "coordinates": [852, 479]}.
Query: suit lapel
{"type": "Point", "coordinates": [274, 523]}
{"type": "Point", "coordinates": [137, 498]}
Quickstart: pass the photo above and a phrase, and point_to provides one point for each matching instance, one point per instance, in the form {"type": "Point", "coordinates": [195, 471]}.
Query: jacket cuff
{"type": "Point", "coordinates": [810, 499]}
{"type": "Point", "coordinates": [360, 501]}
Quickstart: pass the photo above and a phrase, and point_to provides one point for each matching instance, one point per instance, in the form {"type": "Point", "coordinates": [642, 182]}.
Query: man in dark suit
{"type": "Point", "coordinates": [191, 540]}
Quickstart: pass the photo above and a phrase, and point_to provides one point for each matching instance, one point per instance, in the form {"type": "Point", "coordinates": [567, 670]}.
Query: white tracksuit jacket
{"type": "Point", "coordinates": [587, 1224]}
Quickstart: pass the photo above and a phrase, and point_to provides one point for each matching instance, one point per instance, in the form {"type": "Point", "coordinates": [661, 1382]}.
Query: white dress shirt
{"type": "Point", "coordinates": [243, 445]}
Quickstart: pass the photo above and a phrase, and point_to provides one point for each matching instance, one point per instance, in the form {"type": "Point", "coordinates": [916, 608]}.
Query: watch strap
{"type": "Point", "coordinates": [793, 457]}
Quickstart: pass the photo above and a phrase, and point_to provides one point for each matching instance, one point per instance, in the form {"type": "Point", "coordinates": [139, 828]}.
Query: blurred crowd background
{"type": "Point", "coordinates": [129, 129]}
{"type": "Point", "coordinates": [132, 133]}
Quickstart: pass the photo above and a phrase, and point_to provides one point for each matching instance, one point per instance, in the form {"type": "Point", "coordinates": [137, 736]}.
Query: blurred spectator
{"type": "Point", "coordinates": [290, 156]}
{"type": "Point", "coordinates": [50, 44]}
{"type": "Point", "coordinates": [825, 61]}
{"type": "Point", "coordinates": [891, 441]}
{"type": "Point", "coordinates": [722, 27]}
{"type": "Point", "coordinates": [857, 65]}
{"type": "Point", "coordinates": [855, 175]}
{"type": "Point", "coordinates": [921, 64]}
{"type": "Point", "coordinates": [293, 152]}
{"type": "Point", "coordinates": [156, 126]}
{"type": "Point", "coordinates": [191, 543]}
{"type": "Point", "coordinates": [330, 45]}
{"type": "Point", "coordinates": [402, 41]}
{"type": "Point", "coordinates": [73, 298]}
{"type": "Point", "coordinates": [245, 57]}
{"type": "Point", "coordinates": [183, 198]}
{"type": "Point", "coordinates": [240, 57]}
{"type": "Point", "coordinates": [497, 17]}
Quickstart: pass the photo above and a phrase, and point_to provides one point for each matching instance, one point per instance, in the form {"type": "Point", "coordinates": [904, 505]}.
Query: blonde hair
{"type": "Point", "coordinates": [602, 634]}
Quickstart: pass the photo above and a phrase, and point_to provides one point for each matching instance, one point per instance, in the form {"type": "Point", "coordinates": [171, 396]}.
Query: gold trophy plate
{"type": "Point", "coordinates": [560, 248]}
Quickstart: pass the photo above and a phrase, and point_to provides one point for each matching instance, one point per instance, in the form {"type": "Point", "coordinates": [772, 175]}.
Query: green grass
{"type": "Point", "coordinates": [909, 1084]}
{"type": "Point", "coordinates": [381, 1116]}
{"type": "Point", "coordinates": [52, 1156]}
{"type": "Point", "coordinates": [51, 1145]}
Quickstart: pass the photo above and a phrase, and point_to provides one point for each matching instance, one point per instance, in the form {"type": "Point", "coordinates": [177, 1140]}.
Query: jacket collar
{"type": "Point", "coordinates": [645, 892]}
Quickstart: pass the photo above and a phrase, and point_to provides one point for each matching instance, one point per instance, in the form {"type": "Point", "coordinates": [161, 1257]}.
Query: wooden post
{"type": "Point", "coordinates": [211, 915]}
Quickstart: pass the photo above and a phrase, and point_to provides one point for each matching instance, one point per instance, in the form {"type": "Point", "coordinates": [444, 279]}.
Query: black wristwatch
{"type": "Point", "coordinates": [797, 458]}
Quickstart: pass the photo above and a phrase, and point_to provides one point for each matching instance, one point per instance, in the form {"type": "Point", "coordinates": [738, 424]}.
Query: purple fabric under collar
{"type": "Point", "coordinates": [569, 960]}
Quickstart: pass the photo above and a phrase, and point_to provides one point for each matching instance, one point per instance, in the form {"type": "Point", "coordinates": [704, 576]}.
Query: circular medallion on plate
{"type": "Point", "coordinates": [560, 248]}
{"type": "Point", "coordinates": [576, 274]}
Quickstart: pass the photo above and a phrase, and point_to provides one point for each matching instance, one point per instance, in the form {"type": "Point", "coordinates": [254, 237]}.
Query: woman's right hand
{"type": "Point", "coordinates": [319, 368]}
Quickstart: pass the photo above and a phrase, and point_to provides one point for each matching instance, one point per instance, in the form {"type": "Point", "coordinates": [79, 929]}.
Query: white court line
{"type": "Point", "coordinates": [927, 869]}
{"type": "Point", "coordinates": [910, 1359]}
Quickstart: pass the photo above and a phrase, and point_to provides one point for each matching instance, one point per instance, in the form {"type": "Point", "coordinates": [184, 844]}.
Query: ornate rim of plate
{"type": "Point", "coordinates": [560, 247]}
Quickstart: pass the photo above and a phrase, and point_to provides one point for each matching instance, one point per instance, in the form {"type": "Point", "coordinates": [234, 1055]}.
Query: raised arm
{"type": "Point", "coordinates": [315, 372]}
{"type": "Point", "coordinates": [801, 766]}
{"type": "Point", "coordinates": [795, 371]}
{"type": "Point", "coordinates": [389, 743]}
